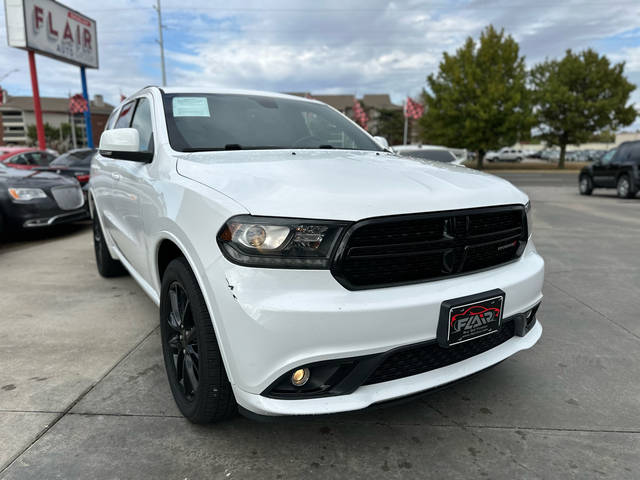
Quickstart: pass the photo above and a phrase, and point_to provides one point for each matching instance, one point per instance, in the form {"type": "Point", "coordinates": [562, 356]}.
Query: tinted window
{"type": "Point", "coordinates": [74, 158]}
{"type": "Point", "coordinates": [124, 119]}
{"type": "Point", "coordinates": [142, 123]}
{"type": "Point", "coordinates": [41, 159]}
{"type": "Point", "coordinates": [18, 159]}
{"type": "Point", "coordinates": [634, 154]}
{"type": "Point", "coordinates": [443, 156]}
{"type": "Point", "coordinates": [232, 122]}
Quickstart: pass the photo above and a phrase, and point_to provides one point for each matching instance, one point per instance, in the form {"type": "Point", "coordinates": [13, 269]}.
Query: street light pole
{"type": "Point", "coordinates": [161, 41]}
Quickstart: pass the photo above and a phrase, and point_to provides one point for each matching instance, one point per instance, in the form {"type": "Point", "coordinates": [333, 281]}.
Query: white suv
{"type": "Point", "coordinates": [299, 267]}
{"type": "Point", "coordinates": [506, 154]}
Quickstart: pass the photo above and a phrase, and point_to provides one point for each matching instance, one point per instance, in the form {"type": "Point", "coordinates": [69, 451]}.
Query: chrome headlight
{"type": "Point", "coordinates": [527, 208]}
{"type": "Point", "coordinates": [26, 194]}
{"type": "Point", "coordinates": [279, 242]}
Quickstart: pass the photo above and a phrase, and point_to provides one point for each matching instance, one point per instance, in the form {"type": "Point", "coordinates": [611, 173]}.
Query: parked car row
{"type": "Point", "coordinates": [38, 188]}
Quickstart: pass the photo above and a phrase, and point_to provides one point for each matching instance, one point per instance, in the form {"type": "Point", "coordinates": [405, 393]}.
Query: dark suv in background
{"type": "Point", "coordinates": [618, 168]}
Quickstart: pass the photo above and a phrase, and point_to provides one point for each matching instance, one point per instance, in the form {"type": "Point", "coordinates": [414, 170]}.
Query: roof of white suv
{"type": "Point", "coordinates": [233, 91]}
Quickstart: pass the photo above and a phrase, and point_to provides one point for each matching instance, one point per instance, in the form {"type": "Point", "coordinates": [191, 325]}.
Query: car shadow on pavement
{"type": "Point", "coordinates": [23, 238]}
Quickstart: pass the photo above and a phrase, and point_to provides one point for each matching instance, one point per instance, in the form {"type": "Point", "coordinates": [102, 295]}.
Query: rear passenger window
{"type": "Point", "coordinates": [635, 153]}
{"type": "Point", "coordinates": [124, 119]}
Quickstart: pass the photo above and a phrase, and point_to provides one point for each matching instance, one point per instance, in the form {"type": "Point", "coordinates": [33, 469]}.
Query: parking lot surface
{"type": "Point", "coordinates": [83, 392]}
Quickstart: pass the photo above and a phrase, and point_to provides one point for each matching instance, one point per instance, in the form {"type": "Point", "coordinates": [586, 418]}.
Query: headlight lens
{"type": "Point", "coordinates": [279, 242]}
{"type": "Point", "coordinates": [527, 209]}
{"type": "Point", "coordinates": [26, 194]}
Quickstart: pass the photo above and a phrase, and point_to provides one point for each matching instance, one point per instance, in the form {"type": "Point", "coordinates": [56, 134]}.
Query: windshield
{"type": "Point", "coordinates": [443, 156]}
{"type": "Point", "coordinates": [74, 158]}
{"type": "Point", "coordinates": [201, 122]}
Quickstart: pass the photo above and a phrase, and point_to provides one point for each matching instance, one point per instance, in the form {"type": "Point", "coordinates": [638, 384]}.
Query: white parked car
{"type": "Point", "coordinates": [506, 154]}
{"type": "Point", "coordinates": [434, 153]}
{"type": "Point", "coordinates": [298, 267]}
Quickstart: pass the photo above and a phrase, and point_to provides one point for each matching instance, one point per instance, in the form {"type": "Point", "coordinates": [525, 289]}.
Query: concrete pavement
{"type": "Point", "coordinates": [83, 392]}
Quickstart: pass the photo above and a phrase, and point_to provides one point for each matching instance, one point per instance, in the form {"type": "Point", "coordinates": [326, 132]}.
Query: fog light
{"type": "Point", "coordinates": [300, 376]}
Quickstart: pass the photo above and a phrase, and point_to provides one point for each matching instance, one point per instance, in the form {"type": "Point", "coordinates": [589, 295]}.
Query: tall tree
{"type": "Point", "coordinates": [579, 96]}
{"type": "Point", "coordinates": [479, 99]}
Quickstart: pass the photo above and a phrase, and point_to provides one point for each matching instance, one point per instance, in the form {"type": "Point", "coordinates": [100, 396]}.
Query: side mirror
{"type": "Point", "coordinates": [382, 142]}
{"type": "Point", "coordinates": [123, 144]}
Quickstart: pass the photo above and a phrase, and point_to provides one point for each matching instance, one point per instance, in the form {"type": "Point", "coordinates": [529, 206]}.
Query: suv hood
{"type": "Point", "coordinates": [343, 185]}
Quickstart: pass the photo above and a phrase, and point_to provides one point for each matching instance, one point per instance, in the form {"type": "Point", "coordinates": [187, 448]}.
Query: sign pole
{"type": "Point", "coordinates": [87, 112]}
{"type": "Point", "coordinates": [37, 110]}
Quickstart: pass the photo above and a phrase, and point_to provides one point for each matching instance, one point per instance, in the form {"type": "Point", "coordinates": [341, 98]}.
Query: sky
{"type": "Point", "coordinates": [332, 46]}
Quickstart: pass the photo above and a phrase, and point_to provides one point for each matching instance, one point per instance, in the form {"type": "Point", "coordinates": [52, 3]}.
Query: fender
{"type": "Point", "coordinates": [209, 302]}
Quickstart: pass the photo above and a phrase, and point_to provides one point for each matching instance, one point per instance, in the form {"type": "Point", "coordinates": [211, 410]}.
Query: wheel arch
{"type": "Point", "coordinates": [169, 247]}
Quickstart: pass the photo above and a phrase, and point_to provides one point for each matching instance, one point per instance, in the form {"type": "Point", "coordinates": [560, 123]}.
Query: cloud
{"type": "Point", "coordinates": [324, 47]}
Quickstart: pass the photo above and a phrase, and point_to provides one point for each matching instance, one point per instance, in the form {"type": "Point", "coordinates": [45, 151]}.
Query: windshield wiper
{"type": "Point", "coordinates": [231, 146]}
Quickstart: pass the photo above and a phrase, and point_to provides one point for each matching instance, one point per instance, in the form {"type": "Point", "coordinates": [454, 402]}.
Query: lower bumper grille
{"type": "Point", "coordinates": [424, 358]}
{"type": "Point", "coordinates": [68, 198]}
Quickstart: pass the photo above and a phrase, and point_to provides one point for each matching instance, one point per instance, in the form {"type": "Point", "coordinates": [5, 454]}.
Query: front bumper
{"type": "Point", "coordinates": [43, 213]}
{"type": "Point", "coordinates": [270, 321]}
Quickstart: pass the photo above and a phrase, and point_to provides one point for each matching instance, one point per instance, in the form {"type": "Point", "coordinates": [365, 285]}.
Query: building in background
{"type": "Point", "coordinates": [372, 104]}
{"type": "Point", "coordinates": [16, 114]}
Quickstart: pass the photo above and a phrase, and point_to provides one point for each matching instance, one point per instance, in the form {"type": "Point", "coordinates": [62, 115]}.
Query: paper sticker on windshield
{"type": "Point", "coordinates": [190, 107]}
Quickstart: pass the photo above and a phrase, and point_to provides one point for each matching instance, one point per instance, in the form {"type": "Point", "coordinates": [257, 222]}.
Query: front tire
{"type": "Point", "coordinates": [624, 187]}
{"type": "Point", "coordinates": [107, 266]}
{"type": "Point", "coordinates": [195, 369]}
{"type": "Point", "coordinates": [585, 185]}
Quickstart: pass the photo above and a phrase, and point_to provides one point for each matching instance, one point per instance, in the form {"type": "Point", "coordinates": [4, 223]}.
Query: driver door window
{"type": "Point", "coordinates": [142, 123]}
{"type": "Point", "coordinates": [124, 119]}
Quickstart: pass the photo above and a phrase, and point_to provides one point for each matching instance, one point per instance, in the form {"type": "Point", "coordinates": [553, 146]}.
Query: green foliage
{"type": "Point", "coordinates": [580, 96]}
{"type": "Point", "coordinates": [50, 133]}
{"type": "Point", "coordinates": [479, 99]}
{"type": "Point", "coordinates": [390, 124]}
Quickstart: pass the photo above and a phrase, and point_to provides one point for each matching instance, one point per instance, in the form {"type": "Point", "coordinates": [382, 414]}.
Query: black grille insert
{"type": "Point", "coordinates": [388, 251]}
{"type": "Point", "coordinates": [426, 357]}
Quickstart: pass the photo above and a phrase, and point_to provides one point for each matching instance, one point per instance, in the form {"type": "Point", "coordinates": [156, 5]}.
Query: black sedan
{"type": "Point", "coordinates": [75, 163]}
{"type": "Point", "coordinates": [32, 198]}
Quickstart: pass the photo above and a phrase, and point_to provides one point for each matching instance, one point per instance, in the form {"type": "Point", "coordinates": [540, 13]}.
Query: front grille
{"type": "Point", "coordinates": [430, 356]}
{"type": "Point", "coordinates": [68, 198]}
{"type": "Point", "coordinates": [406, 249]}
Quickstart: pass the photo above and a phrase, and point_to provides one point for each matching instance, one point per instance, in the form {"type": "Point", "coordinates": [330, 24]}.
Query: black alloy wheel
{"type": "Point", "coordinates": [182, 342]}
{"type": "Point", "coordinates": [192, 358]}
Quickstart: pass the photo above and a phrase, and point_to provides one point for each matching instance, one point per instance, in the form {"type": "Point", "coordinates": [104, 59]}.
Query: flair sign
{"type": "Point", "coordinates": [51, 29]}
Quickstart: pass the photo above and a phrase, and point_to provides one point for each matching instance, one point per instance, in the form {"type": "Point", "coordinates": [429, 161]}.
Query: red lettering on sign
{"type": "Point", "coordinates": [67, 33]}
{"type": "Point", "coordinates": [52, 32]}
{"type": "Point", "coordinates": [86, 39]}
{"type": "Point", "coordinates": [38, 16]}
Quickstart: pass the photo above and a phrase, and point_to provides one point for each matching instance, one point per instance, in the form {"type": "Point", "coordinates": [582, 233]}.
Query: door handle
{"type": "Point", "coordinates": [115, 176]}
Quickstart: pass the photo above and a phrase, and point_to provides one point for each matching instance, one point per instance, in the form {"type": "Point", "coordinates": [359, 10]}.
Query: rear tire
{"type": "Point", "coordinates": [585, 185]}
{"type": "Point", "coordinates": [625, 188]}
{"type": "Point", "coordinates": [192, 358]}
{"type": "Point", "coordinates": [107, 266]}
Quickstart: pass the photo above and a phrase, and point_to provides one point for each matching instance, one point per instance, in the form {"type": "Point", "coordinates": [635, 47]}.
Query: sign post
{"type": "Point", "coordinates": [37, 110]}
{"type": "Point", "coordinates": [87, 112]}
{"type": "Point", "coordinates": [52, 29]}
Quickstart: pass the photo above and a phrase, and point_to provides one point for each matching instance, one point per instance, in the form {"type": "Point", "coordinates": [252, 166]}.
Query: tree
{"type": "Point", "coordinates": [50, 133]}
{"type": "Point", "coordinates": [479, 99]}
{"type": "Point", "coordinates": [390, 124]}
{"type": "Point", "coordinates": [580, 96]}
